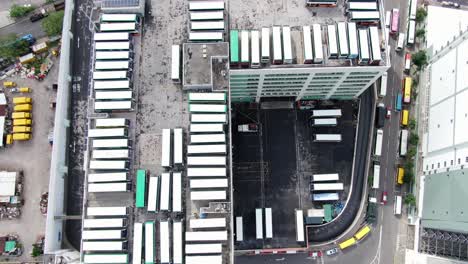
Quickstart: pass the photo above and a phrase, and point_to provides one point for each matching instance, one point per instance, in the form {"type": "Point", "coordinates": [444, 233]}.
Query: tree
{"type": "Point", "coordinates": [408, 177]}
{"type": "Point", "coordinates": [52, 24]}
{"type": "Point", "coordinates": [413, 139]}
{"type": "Point", "coordinates": [419, 59]}
{"type": "Point", "coordinates": [412, 124]}
{"type": "Point", "coordinates": [10, 47]}
{"type": "Point", "coordinates": [411, 152]}
{"type": "Point", "coordinates": [420, 33]}
{"type": "Point", "coordinates": [421, 14]}
{"type": "Point", "coordinates": [409, 165]}
{"type": "Point", "coordinates": [17, 11]}
{"type": "Point", "coordinates": [410, 200]}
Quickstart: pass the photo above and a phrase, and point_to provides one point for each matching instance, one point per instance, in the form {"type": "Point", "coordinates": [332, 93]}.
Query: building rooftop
{"type": "Point", "coordinates": [438, 34]}
{"type": "Point", "coordinates": [444, 204]}
{"type": "Point", "coordinates": [197, 60]}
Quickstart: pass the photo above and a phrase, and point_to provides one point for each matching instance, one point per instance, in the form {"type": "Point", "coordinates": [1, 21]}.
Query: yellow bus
{"type": "Point", "coordinates": [22, 100]}
{"type": "Point", "coordinates": [21, 136]}
{"type": "Point", "coordinates": [362, 233]}
{"type": "Point", "coordinates": [400, 175]}
{"type": "Point", "coordinates": [347, 243]}
{"type": "Point", "coordinates": [404, 118]}
{"type": "Point", "coordinates": [19, 115]}
{"type": "Point", "coordinates": [22, 108]}
{"type": "Point", "coordinates": [407, 90]}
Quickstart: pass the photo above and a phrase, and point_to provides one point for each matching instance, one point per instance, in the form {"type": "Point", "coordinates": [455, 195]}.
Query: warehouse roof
{"type": "Point", "coordinates": [7, 183]}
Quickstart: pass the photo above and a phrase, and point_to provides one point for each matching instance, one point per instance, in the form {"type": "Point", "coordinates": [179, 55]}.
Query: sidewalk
{"type": "Point", "coordinates": [5, 5]}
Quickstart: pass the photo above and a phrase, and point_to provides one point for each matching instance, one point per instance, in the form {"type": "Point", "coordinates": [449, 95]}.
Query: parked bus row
{"type": "Point", "coordinates": [206, 20]}
{"type": "Point", "coordinates": [360, 235]}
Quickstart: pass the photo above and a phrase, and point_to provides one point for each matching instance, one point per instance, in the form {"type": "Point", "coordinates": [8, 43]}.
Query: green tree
{"type": "Point", "coordinates": [412, 124]}
{"type": "Point", "coordinates": [409, 165]}
{"type": "Point", "coordinates": [411, 152]}
{"type": "Point", "coordinates": [420, 33]}
{"type": "Point", "coordinates": [419, 59]}
{"type": "Point", "coordinates": [17, 11]}
{"type": "Point", "coordinates": [52, 24]}
{"type": "Point", "coordinates": [414, 139]}
{"type": "Point", "coordinates": [421, 14]}
{"type": "Point", "coordinates": [408, 177]}
{"type": "Point", "coordinates": [410, 200]}
{"type": "Point", "coordinates": [10, 47]}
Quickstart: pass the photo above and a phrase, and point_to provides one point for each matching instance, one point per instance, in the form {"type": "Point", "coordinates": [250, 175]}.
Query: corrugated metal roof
{"type": "Point", "coordinates": [119, 3]}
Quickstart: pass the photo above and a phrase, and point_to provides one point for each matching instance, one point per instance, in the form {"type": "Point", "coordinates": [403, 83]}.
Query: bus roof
{"type": "Point", "coordinates": [140, 188]}
{"type": "Point", "coordinates": [362, 232]}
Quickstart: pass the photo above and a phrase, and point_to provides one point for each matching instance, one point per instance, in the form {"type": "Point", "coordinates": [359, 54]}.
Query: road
{"type": "Point", "coordinates": [24, 27]}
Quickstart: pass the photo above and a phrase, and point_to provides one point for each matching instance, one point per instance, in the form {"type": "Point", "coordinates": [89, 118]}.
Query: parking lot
{"type": "Point", "coordinates": [272, 168]}
{"type": "Point", "coordinates": [33, 158]}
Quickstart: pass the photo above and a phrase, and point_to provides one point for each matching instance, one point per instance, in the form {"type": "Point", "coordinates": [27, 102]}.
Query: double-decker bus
{"type": "Point", "coordinates": [395, 21]}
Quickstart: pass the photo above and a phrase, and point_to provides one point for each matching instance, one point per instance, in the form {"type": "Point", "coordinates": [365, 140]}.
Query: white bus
{"type": "Point", "coordinates": [105, 258]}
{"type": "Point", "coordinates": [325, 177]}
{"type": "Point", "coordinates": [112, 85]}
{"type": "Point", "coordinates": [114, 45]}
{"type": "Point", "coordinates": [328, 187]}
{"type": "Point", "coordinates": [111, 65]}
{"type": "Point", "coordinates": [166, 151]}
{"type": "Point", "coordinates": [206, 5]}
{"type": "Point", "coordinates": [375, 45]}
{"type": "Point", "coordinates": [102, 234]}
{"type": "Point", "coordinates": [206, 172]}
{"type": "Point", "coordinates": [364, 52]}
{"type": "Point", "coordinates": [277, 52]}
{"type": "Point", "coordinates": [111, 36]}
{"type": "Point", "coordinates": [165, 192]}
{"type": "Point", "coordinates": [388, 19]}
{"type": "Point", "coordinates": [206, 128]}
{"type": "Point", "coordinates": [206, 161]}
{"type": "Point", "coordinates": [111, 143]}
{"type": "Point", "coordinates": [110, 154]}
{"type": "Point", "coordinates": [108, 177]}
{"type": "Point", "coordinates": [106, 211]}
{"type": "Point", "coordinates": [119, 18]}
{"type": "Point", "coordinates": [107, 132]}
{"type": "Point", "coordinates": [239, 229]}
{"type": "Point", "coordinates": [175, 63]}
{"type": "Point", "coordinates": [112, 105]}
{"type": "Point", "coordinates": [208, 223]}
{"type": "Point", "coordinates": [400, 42]}
{"type": "Point", "coordinates": [397, 205]}
{"type": "Point", "coordinates": [206, 236]}
{"type": "Point", "coordinates": [353, 41]}
{"type": "Point", "coordinates": [207, 25]}
{"type": "Point", "coordinates": [325, 197]}
{"type": "Point", "coordinates": [364, 16]}
{"type": "Point", "coordinates": [410, 35]}
{"type": "Point", "coordinates": [208, 118]}
{"type": "Point", "coordinates": [177, 243]}
{"type": "Point", "coordinates": [287, 49]}
{"type": "Point", "coordinates": [383, 85]}
{"type": "Point", "coordinates": [178, 146]}
{"type": "Point", "coordinates": [149, 242]}
{"type": "Point", "coordinates": [209, 15]}
{"type": "Point", "coordinates": [245, 58]}
{"type": "Point", "coordinates": [153, 187]}
{"type": "Point", "coordinates": [112, 55]}
{"type": "Point", "coordinates": [362, 6]}
{"type": "Point", "coordinates": [108, 165]}
{"type": "Point", "coordinates": [104, 223]}
{"type": "Point", "coordinates": [108, 187]}
{"type": "Point", "coordinates": [111, 122]}
{"type": "Point", "coordinates": [205, 36]}
{"type": "Point", "coordinates": [114, 27]}
{"type": "Point", "coordinates": [109, 75]}
{"type": "Point", "coordinates": [255, 47]}
{"type": "Point", "coordinates": [403, 142]}
{"type": "Point", "coordinates": [137, 243]}
{"type": "Point", "coordinates": [218, 259]}
{"type": "Point", "coordinates": [211, 248]}
{"type": "Point", "coordinates": [378, 143]}
{"type": "Point", "coordinates": [324, 122]}
{"type": "Point", "coordinates": [332, 42]}
{"type": "Point", "coordinates": [268, 223]}
{"type": "Point", "coordinates": [164, 242]}
{"type": "Point", "coordinates": [299, 226]}
{"type": "Point", "coordinates": [307, 40]}
{"type": "Point", "coordinates": [207, 138]}
{"type": "Point", "coordinates": [103, 246]}
{"type": "Point", "coordinates": [207, 108]}
{"type": "Point", "coordinates": [207, 97]}
{"type": "Point", "coordinates": [207, 195]}
{"type": "Point", "coordinates": [413, 5]}
{"type": "Point", "coordinates": [209, 183]}
{"type": "Point", "coordinates": [176, 192]}
{"type": "Point", "coordinates": [265, 45]}
{"type": "Point", "coordinates": [376, 178]}
{"type": "Point", "coordinates": [204, 149]}
{"type": "Point", "coordinates": [327, 137]}
{"type": "Point", "coordinates": [326, 113]}
{"type": "Point", "coordinates": [259, 223]}
{"type": "Point", "coordinates": [318, 45]}
{"type": "Point", "coordinates": [343, 40]}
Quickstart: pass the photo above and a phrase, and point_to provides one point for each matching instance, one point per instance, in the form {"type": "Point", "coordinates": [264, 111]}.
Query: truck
{"type": "Point", "coordinates": [380, 116]}
{"type": "Point", "coordinates": [252, 128]}
{"type": "Point", "coordinates": [378, 143]}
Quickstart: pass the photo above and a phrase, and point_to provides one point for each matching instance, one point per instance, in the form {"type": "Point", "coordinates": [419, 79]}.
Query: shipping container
{"type": "Point", "coordinates": [111, 36]}
{"type": "Point", "coordinates": [265, 45]}
{"type": "Point", "coordinates": [207, 195]}
{"type": "Point", "coordinates": [206, 172]}
{"type": "Point", "coordinates": [106, 211]}
{"type": "Point", "coordinates": [105, 223]}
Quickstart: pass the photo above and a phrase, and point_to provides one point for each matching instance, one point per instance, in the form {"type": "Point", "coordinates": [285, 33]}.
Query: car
{"type": "Point", "coordinates": [384, 197]}
{"type": "Point", "coordinates": [388, 113]}
{"type": "Point", "coordinates": [332, 251]}
{"type": "Point", "coordinates": [36, 17]}
{"type": "Point", "coordinates": [315, 254]}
